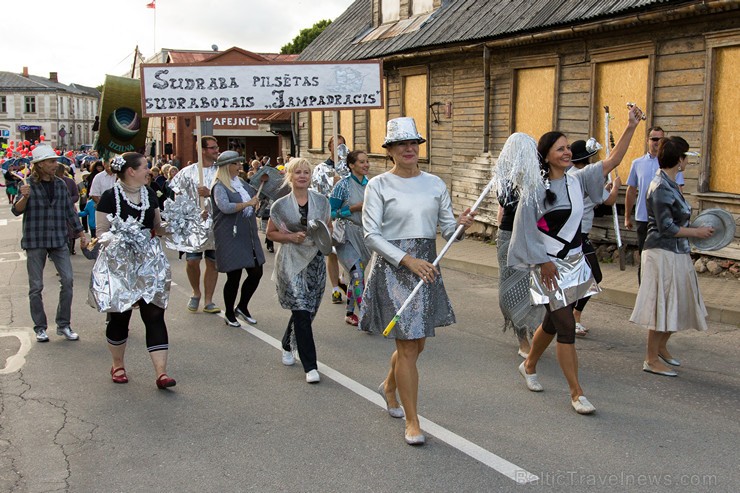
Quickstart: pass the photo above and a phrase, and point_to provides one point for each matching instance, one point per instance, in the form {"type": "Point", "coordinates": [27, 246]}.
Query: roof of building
{"type": "Point", "coordinates": [10, 81]}
{"type": "Point", "coordinates": [352, 35]}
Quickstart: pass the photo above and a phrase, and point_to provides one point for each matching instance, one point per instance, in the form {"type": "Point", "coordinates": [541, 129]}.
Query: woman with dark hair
{"type": "Point", "coordinates": [346, 208]}
{"type": "Point", "coordinates": [401, 212]}
{"type": "Point", "coordinates": [547, 235]}
{"type": "Point", "coordinates": [237, 240]}
{"type": "Point", "coordinates": [669, 299]}
{"type": "Point", "coordinates": [131, 198]}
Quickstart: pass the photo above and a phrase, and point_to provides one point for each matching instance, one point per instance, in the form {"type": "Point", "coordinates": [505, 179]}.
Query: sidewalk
{"type": "Point", "coordinates": [721, 296]}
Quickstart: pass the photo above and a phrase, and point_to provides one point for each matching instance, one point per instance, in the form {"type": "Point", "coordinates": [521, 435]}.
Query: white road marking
{"type": "Point", "coordinates": [16, 362]}
{"type": "Point", "coordinates": [21, 256]}
{"type": "Point", "coordinates": [499, 464]}
{"type": "Point", "coordinates": [3, 222]}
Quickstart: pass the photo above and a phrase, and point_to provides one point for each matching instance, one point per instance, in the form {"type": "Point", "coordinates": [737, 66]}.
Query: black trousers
{"type": "Point", "coordinates": [300, 322]}
{"type": "Point", "coordinates": [642, 228]}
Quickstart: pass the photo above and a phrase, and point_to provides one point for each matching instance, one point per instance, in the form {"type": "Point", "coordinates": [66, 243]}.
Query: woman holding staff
{"type": "Point", "coordinates": [401, 212]}
{"type": "Point", "coordinates": [547, 236]}
{"type": "Point", "coordinates": [237, 240]}
{"type": "Point", "coordinates": [346, 208]}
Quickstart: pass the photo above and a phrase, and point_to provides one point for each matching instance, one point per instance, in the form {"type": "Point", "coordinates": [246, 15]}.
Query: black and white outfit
{"type": "Point", "coordinates": [558, 240]}
{"type": "Point", "coordinates": [127, 202]}
{"type": "Point", "coordinates": [237, 244]}
{"type": "Point", "coordinates": [300, 271]}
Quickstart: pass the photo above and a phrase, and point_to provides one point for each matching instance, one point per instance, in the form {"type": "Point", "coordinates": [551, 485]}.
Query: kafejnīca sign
{"type": "Point", "coordinates": [199, 89]}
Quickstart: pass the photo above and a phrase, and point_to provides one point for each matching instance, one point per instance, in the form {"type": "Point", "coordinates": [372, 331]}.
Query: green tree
{"type": "Point", "coordinates": [304, 38]}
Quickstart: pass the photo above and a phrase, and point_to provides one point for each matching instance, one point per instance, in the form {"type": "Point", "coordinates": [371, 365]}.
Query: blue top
{"type": "Point", "coordinates": [89, 213]}
{"type": "Point", "coordinates": [642, 173]}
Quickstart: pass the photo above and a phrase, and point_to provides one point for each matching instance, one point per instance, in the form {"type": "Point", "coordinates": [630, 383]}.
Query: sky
{"type": "Point", "coordinates": [83, 40]}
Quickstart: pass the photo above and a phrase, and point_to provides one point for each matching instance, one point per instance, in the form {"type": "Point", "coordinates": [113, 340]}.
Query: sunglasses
{"type": "Point", "coordinates": [655, 139]}
{"type": "Point", "coordinates": [211, 147]}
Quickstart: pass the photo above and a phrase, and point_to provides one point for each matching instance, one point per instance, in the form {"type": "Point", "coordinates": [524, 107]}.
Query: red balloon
{"type": "Point", "coordinates": [11, 142]}
{"type": "Point", "coordinates": [42, 138]}
{"type": "Point", "coordinates": [59, 153]}
{"type": "Point", "coordinates": [26, 143]}
{"type": "Point", "coordinates": [33, 147]}
{"type": "Point", "coordinates": [35, 141]}
{"type": "Point", "coordinates": [70, 153]}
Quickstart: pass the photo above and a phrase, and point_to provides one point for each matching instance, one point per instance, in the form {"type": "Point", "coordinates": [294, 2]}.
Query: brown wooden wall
{"type": "Point", "coordinates": [678, 52]}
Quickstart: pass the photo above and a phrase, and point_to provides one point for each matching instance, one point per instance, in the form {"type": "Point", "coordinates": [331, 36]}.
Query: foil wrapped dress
{"type": "Point", "coordinates": [545, 232]}
{"type": "Point", "coordinates": [189, 232]}
{"type": "Point", "coordinates": [300, 269]}
{"type": "Point", "coordinates": [131, 265]}
{"type": "Point", "coordinates": [348, 235]}
{"type": "Point", "coordinates": [400, 216]}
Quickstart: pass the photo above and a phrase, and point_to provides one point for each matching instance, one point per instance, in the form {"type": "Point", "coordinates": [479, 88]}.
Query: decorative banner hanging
{"type": "Point", "coordinates": [122, 128]}
{"type": "Point", "coordinates": [176, 89]}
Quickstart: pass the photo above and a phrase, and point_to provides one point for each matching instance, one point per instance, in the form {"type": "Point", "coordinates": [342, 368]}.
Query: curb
{"type": "Point", "coordinates": [618, 297]}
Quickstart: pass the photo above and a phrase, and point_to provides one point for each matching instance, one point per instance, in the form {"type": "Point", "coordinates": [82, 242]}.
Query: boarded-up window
{"type": "Point", "coordinates": [415, 105]}
{"type": "Point", "coordinates": [317, 130]}
{"type": "Point", "coordinates": [347, 127]}
{"type": "Point", "coordinates": [723, 175]}
{"type": "Point", "coordinates": [376, 128]}
{"type": "Point", "coordinates": [390, 10]}
{"type": "Point", "coordinates": [535, 100]}
{"type": "Point", "coordinates": [421, 6]}
{"type": "Point", "coordinates": [618, 83]}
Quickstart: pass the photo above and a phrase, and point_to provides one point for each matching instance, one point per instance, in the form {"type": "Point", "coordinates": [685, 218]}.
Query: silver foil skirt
{"type": "Point", "coordinates": [131, 266]}
{"type": "Point", "coordinates": [576, 282]}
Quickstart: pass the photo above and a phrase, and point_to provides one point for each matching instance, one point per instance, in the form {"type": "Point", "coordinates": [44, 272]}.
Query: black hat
{"type": "Point", "coordinates": [579, 151]}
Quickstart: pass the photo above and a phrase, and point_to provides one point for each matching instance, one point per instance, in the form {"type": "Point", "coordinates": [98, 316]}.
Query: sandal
{"type": "Point", "coordinates": [163, 381]}
{"type": "Point", "coordinates": [117, 377]}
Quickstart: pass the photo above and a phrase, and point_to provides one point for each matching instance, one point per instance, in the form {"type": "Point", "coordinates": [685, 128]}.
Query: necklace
{"type": "Point", "coordinates": [144, 197]}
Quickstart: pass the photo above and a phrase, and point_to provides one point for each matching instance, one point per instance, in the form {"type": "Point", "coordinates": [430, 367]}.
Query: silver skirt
{"type": "Point", "coordinates": [388, 287]}
{"type": "Point", "coordinates": [576, 282]}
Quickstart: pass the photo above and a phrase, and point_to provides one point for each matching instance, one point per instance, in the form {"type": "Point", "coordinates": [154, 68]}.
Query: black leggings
{"type": "Point", "coordinates": [560, 322]}
{"type": "Point", "coordinates": [153, 317]}
{"type": "Point", "coordinates": [593, 262]}
{"type": "Point", "coordinates": [249, 286]}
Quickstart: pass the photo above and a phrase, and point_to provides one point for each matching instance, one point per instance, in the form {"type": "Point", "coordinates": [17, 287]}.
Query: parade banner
{"type": "Point", "coordinates": [199, 89]}
{"type": "Point", "coordinates": [122, 128]}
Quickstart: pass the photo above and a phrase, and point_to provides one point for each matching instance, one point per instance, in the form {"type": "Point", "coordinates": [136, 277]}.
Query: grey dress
{"type": "Point", "coordinates": [236, 233]}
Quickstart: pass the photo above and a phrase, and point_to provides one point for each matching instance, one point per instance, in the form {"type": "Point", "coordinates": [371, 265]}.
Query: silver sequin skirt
{"type": "Point", "coordinates": [388, 287]}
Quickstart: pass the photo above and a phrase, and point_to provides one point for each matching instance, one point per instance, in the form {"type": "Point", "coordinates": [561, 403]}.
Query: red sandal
{"type": "Point", "coordinates": [120, 378]}
{"type": "Point", "coordinates": [163, 381]}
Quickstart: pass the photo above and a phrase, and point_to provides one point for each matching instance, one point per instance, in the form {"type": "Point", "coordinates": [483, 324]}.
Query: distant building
{"type": "Point", "coordinates": [32, 106]}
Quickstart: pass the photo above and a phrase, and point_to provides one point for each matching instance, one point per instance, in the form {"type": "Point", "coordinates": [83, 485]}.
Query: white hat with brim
{"type": "Point", "coordinates": [401, 130]}
{"type": "Point", "coordinates": [42, 153]}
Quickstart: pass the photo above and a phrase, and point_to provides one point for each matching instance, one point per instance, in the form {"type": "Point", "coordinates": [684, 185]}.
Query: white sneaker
{"type": "Point", "coordinates": [288, 358]}
{"type": "Point", "coordinates": [313, 376]}
{"type": "Point", "coordinates": [67, 332]}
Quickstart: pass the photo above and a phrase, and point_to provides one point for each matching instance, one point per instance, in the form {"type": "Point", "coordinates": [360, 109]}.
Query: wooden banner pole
{"type": "Point", "coordinates": [199, 153]}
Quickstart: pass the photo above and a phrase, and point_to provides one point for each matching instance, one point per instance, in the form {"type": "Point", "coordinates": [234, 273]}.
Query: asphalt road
{"type": "Point", "coordinates": [238, 420]}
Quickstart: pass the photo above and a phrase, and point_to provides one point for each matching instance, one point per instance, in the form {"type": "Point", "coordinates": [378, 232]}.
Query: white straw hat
{"type": "Point", "coordinates": [42, 153]}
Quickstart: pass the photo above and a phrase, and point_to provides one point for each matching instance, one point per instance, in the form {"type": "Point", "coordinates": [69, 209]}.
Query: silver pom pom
{"type": "Point", "coordinates": [117, 164]}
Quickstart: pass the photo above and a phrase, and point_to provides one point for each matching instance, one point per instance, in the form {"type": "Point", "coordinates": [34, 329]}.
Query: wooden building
{"type": "Point", "coordinates": [471, 72]}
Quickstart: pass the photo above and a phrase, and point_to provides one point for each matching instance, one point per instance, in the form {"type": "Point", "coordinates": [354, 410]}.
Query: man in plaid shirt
{"type": "Point", "coordinates": [47, 213]}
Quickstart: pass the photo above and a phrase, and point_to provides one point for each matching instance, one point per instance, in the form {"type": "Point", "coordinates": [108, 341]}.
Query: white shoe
{"type": "Point", "coordinates": [532, 383]}
{"type": "Point", "coordinates": [522, 354]}
{"type": "Point", "coordinates": [582, 406]}
{"type": "Point", "coordinates": [313, 377]}
{"type": "Point", "coordinates": [581, 331]}
{"type": "Point", "coordinates": [288, 358]}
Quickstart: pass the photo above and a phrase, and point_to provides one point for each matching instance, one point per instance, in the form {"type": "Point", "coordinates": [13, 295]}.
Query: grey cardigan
{"type": "Point", "coordinates": [237, 241]}
{"type": "Point", "coordinates": [667, 212]}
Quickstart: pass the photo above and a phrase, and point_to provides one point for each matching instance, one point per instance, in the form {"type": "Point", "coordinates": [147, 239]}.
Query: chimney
{"type": "Point", "coordinates": [25, 72]}
{"type": "Point", "coordinates": [53, 77]}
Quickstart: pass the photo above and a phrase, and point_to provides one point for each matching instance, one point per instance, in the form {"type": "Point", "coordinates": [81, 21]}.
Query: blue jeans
{"type": "Point", "coordinates": [35, 262]}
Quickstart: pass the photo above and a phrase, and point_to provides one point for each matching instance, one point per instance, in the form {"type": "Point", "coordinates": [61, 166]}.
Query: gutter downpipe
{"type": "Point", "coordinates": [486, 97]}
